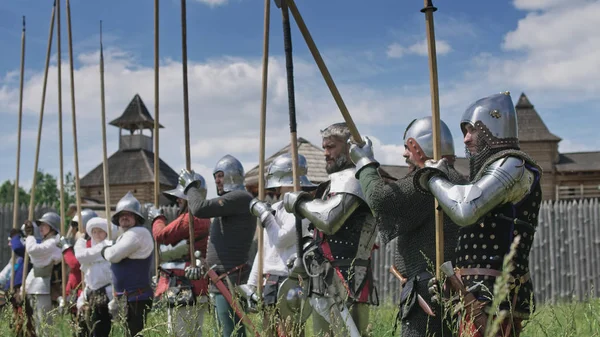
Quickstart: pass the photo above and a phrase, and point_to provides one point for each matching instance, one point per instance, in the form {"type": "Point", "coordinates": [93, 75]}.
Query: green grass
{"type": "Point", "coordinates": [561, 320]}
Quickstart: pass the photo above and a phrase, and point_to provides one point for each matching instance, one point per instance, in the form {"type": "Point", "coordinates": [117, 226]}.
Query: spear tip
{"type": "Point", "coordinates": [23, 22]}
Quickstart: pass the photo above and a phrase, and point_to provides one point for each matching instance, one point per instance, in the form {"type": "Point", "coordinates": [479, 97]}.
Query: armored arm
{"type": "Point", "coordinates": [505, 180]}
{"type": "Point", "coordinates": [329, 215]}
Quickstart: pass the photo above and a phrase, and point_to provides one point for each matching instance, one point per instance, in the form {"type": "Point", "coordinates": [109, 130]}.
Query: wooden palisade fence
{"type": "Point", "coordinates": [563, 261]}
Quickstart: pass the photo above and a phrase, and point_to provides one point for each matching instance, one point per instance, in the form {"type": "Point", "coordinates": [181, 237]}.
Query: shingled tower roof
{"type": "Point", "coordinates": [133, 163]}
{"type": "Point", "coordinates": [135, 116]}
{"type": "Point", "coordinates": [531, 126]}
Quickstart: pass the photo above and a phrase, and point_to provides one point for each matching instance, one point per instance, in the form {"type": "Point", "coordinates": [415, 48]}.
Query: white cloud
{"type": "Point", "coordinates": [213, 3]}
{"type": "Point", "coordinates": [396, 50]}
{"type": "Point", "coordinates": [553, 51]}
{"type": "Point", "coordinates": [543, 4]}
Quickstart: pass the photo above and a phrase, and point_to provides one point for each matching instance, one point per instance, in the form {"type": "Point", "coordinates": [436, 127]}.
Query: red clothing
{"type": "Point", "coordinates": [172, 234]}
{"type": "Point", "coordinates": [74, 277]}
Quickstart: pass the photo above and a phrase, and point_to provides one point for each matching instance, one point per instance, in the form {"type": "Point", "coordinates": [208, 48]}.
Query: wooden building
{"type": "Point", "coordinates": [131, 168]}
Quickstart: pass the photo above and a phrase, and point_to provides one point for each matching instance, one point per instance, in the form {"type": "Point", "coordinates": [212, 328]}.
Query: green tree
{"type": "Point", "coordinates": [7, 193]}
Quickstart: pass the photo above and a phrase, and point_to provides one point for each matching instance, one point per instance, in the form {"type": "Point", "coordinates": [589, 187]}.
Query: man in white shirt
{"type": "Point", "coordinates": [279, 233]}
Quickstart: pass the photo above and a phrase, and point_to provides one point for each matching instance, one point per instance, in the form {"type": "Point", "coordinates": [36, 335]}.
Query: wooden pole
{"type": "Point", "coordinates": [16, 196]}
{"type": "Point", "coordinates": [74, 122]}
{"type": "Point", "coordinates": [37, 150]}
{"type": "Point", "coordinates": [324, 71]}
{"type": "Point", "coordinates": [74, 118]}
{"type": "Point", "coordinates": [60, 147]}
{"type": "Point", "coordinates": [435, 112]}
{"type": "Point", "coordinates": [186, 120]}
{"type": "Point", "coordinates": [104, 152]}
{"type": "Point", "coordinates": [263, 128]}
{"type": "Point", "coordinates": [156, 123]}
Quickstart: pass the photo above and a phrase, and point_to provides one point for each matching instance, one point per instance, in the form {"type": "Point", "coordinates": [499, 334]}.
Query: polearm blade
{"type": "Point", "coordinates": [60, 147]}
{"type": "Point", "coordinates": [16, 196]}
{"type": "Point", "coordinates": [74, 122]}
{"type": "Point", "coordinates": [37, 150]}
{"type": "Point", "coordinates": [105, 171]}
{"type": "Point", "coordinates": [186, 120]}
{"type": "Point", "coordinates": [324, 71]}
{"type": "Point", "coordinates": [263, 127]}
{"type": "Point", "coordinates": [435, 112]}
{"type": "Point", "coordinates": [156, 108]}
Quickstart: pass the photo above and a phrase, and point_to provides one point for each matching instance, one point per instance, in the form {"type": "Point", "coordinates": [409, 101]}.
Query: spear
{"type": "Point", "coordinates": [263, 127]}
{"type": "Point", "coordinates": [156, 105]}
{"type": "Point", "coordinates": [289, 67]}
{"type": "Point", "coordinates": [435, 111]}
{"type": "Point", "coordinates": [74, 118]}
{"type": "Point", "coordinates": [60, 146]}
{"type": "Point", "coordinates": [324, 71]}
{"type": "Point", "coordinates": [16, 197]}
{"type": "Point", "coordinates": [37, 150]}
{"type": "Point", "coordinates": [186, 119]}
{"type": "Point", "coordinates": [104, 152]}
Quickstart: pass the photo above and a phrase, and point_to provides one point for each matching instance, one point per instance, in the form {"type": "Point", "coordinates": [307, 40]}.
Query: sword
{"type": "Point", "coordinates": [422, 303]}
{"type": "Point", "coordinates": [472, 305]}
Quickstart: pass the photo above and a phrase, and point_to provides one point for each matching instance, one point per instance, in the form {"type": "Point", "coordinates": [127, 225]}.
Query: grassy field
{"type": "Point", "coordinates": [562, 320]}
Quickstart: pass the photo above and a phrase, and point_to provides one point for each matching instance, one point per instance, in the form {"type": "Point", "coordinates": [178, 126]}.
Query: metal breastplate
{"type": "Point", "coordinates": [484, 245]}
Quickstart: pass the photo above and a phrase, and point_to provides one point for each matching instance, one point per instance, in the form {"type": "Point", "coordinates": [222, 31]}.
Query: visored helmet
{"type": "Point", "coordinates": [280, 172]}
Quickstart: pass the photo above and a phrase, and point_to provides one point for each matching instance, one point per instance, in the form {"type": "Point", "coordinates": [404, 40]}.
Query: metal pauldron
{"type": "Point", "coordinates": [345, 182]}
{"type": "Point", "coordinates": [505, 180]}
{"type": "Point", "coordinates": [328, 216]}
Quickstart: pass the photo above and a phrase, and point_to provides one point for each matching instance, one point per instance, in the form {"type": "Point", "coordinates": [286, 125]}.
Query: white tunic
{"type": "Point", "coordinates": [279, 242]}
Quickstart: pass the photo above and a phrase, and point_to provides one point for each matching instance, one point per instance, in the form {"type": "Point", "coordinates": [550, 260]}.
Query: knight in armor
{"type": "Point", "coordinates": [43, 282]}
{"type": "Point", "coordinates": [499, 205]}
{"type": "Point", "coordinates": [407, 215]}
{"type": "Point", "coordinates": [72, 288]}
{"type": "Point", "coordinates": [280, 240]}
{"type": "Point", "coordinates": [131, 260]}
{"type": "Point", "coordinates": [231, 232]}
{"type": "Point", "coordinates": [92, 303]}
{"type": "Point", "coordinates": [344, 232]}
{"type": "Point", "coordinates": [186, 318]}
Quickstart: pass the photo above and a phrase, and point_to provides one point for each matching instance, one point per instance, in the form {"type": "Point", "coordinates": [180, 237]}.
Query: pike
{"type": "Point", "coordinates": [324, 71]}
{"type": "Point", "coordinates": [60, 147]}
{"type": "Point", "coordinates": [186, 119]}
{"type": "Point", "coordinates": [104, 151]}
{"type": "Point", "coordinates": [435, 120]}
{"type": "Point", "coordinates": [74, 121]}
{"type": "Point", "coordinates": [16, 196]}
{"type": "Point", "coordinates": [156, 108]}
{"type": "Point", "coordinates": [422, 303]}
{"type": "Point", "coordinates": [37, 150]}
{"type": "Point", "coordinates": [263, 126]}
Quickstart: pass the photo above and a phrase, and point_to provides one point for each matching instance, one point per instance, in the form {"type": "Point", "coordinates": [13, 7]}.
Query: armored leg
{"type": "Point", "coordinates": [186, 321]}
{"type": "Point", "coordinates": [360, 315]}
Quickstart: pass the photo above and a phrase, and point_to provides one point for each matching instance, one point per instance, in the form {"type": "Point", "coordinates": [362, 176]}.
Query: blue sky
{"type": "Point", "coordinates": [375, 52]}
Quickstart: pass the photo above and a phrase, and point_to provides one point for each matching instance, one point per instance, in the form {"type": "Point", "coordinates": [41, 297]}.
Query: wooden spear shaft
{"type": "Point", "coordinates": [37, 150]}
{"type": "Point", "coordinates": [186, 120]}
{"type": "Point", "coordinates": [74, 123]}
{"type": "Point", "coordinates": [263, 131]}
{"type": "Point", "coordinates": [435, 112]}
{"type": "Point", "coordinates": [74, 118]}
{"type": "Point", "coordinates": [156, 105]}
{"type": "Point", "coordinates": [60, 147]}
{"type": "Point", "coordinates": [104, 152]}
{"type": "Point", "coordinates": [16, 196]}
{"type": "Point", "coordinates": [324, 71]}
